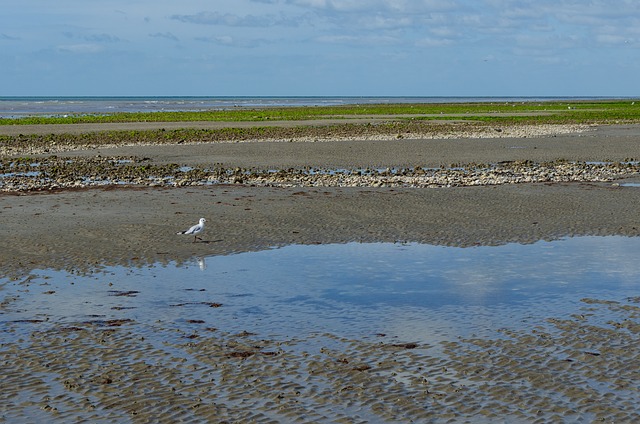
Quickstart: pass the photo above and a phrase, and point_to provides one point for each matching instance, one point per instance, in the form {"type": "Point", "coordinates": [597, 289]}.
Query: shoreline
{"type": "Point", "coordinates": [84, 229]}
{"type": "Point", "coordinates": [468, 207]}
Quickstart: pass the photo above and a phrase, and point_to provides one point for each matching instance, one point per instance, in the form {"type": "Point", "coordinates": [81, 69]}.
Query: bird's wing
{"type": "Point", "coordinates": [193, 229]}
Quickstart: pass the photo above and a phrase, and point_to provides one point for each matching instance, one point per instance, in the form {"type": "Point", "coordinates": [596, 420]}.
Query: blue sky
{"type": "Point", "coordinates": [320, 47]}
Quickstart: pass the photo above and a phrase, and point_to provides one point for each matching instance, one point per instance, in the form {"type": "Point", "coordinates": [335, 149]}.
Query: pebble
{"type": "Point", "coordinates": [52, 172]}
{"type": "Point", "coordinates": [57, 172]}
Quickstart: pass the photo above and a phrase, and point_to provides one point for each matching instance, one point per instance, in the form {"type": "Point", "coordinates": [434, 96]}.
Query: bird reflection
{"type": "Point", "coordinates": [202, 264]}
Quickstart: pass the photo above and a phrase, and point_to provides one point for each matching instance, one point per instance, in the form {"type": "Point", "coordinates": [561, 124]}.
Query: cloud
{"type": "Point", "coordinates": [93, 38]}
{"type": "Point", "coordinates": [382, 22]}
{"type": "Point", "coordinates": [80, 48]}
{"type": "Point", "coordinates": [233, 20]}
{"type": "Point", "coordinates": [615, 40]}
{"type": "Point", "coordinates": [434, 42]}
{"type": "Point", "coordinates": [230, 41]}
{"type": "Point", "coordinates": [4, 36]}
{"type": "Point", "coordinates": [358, 40]}
{"type": "Point", "coordinates": [103, 38]}
{"type": "Point", "coordinates": [166, 35]}
{"type": "Point", "coordinates": [333, 40]}
{"type": "Point", "coordinates": [392, 6]}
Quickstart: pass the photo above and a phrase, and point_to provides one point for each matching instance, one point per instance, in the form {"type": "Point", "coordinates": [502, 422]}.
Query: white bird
{"type": "Point", "coordinates": [195, 230]}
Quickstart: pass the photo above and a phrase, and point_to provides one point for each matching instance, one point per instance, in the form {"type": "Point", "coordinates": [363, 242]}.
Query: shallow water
{"type": "Point", "coordinates": [408, 290]}
{"type": "Point", "coordinates": [17, 107]}
{"type": "Point", "coordinates": [545, 332]}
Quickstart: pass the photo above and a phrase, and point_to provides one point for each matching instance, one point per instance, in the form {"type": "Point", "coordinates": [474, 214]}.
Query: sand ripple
{"type": "Point", "coordinates": [579, 367]}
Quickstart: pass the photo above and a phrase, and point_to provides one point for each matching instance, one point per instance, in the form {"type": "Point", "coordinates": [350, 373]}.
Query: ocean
{"type": "Point", "coordinates": [18, 107]}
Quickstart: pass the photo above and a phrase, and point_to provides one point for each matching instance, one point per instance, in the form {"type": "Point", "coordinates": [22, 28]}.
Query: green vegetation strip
{"type": "Point", "coordinates": [37, 143]}
{"type": "Point", "coordinates": [526, 112]}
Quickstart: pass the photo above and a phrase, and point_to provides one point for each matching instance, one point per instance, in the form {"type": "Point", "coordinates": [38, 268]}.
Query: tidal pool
{"type": "Point", "coordinates": [358, 332]}
{"type": "Point", "coordinates": [409, 290]}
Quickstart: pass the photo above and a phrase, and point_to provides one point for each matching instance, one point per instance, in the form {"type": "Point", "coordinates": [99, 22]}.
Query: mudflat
{"type": "Point", "coordinates": [84, 229]}
{"type": "Point", "coordinates": [113, 224]}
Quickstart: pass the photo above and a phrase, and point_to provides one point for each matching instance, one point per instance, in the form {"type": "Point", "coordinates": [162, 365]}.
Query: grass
{"type": "Point", "coordinates": [525, 112]}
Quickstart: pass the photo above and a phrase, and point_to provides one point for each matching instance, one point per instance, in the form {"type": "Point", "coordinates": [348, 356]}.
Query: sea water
{"type": "Point", "coordinates": [17, 107]}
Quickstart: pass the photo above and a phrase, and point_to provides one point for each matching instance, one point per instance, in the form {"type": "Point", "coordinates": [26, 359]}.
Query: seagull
{"type": "Point", "coordinates": [195, 230]}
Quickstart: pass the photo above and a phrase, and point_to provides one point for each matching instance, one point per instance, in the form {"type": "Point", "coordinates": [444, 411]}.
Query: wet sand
{"type": "Point", "coordinates": [564, 369]}
{"type": "Point", "coordinates": [240, 378]}
{"type": "Point", "coordinates": [82, 229]}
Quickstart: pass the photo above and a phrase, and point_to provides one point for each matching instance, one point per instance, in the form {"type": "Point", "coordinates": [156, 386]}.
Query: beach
{"type": "Point", "coordinates": [246, 216]}
{"type": "Point", "coordinates": [82, 228]}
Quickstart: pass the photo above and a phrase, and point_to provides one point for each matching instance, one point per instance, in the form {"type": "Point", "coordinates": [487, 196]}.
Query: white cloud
{"type": "Point", "coordinates": [93, 38]}
{"type": "Point", "coordinates": [320, 37]}
{"type": "Point", "coordinates": [166, 35]}
{"type": "Point", "coordinates": [81, 48]}
{"type": "Point", "coordinates": [394, 6]}
{"type": "Point", "coordinates": [231, 41]}
{"type": "Point", "coordinates": [434, 42]}
{"type": "Point", "coordinates": [383, 22]}
{"type": "Point", "coordinates": [613, 39]}
{"type": "Point", "coordinates": [229, 19]}
{"type": "Point", "coordinates": [358, 40]}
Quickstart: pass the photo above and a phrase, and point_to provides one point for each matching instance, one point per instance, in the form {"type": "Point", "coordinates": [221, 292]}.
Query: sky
{"type": "Point", "coordinates": [320, 48]}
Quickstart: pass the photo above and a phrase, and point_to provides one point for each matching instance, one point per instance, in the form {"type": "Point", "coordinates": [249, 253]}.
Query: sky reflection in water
{"type": "Point", "coordinates": [413, 291]}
